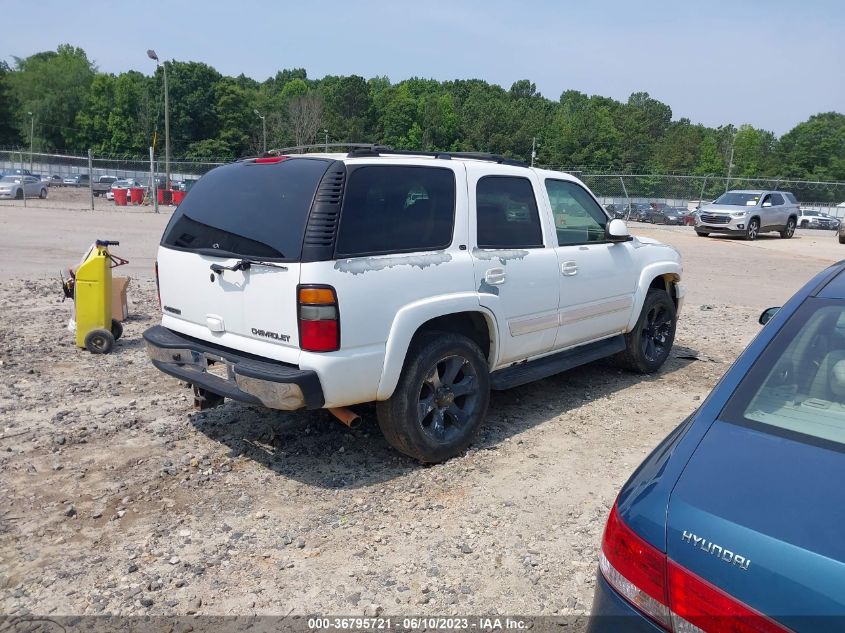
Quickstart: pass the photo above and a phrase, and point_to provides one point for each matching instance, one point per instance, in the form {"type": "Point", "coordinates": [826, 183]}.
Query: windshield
{"type": "Point", "coordinates": [738, 199]}
{"type": "Point", "coordinates": [797, 387]}
{"type": "Point", "coordinates": [248, 209]}
{"type": "Point", "coordinates": [10, 179]}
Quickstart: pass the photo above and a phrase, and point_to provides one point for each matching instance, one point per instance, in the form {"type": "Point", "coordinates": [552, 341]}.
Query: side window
{"type": "Point", "coordinates": [777, 199]}
{"type": "Point", "coordinates": [506, 213]}
{"type": "Point", "coordinates": [767, 201]}
{"type": "Point", "coordinates": [578, 219]}
{"type": "Point", "coordinates": [392, 209]}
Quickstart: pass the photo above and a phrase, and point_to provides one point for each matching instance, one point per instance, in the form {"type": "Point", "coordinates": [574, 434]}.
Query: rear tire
{"type": "Point", "coordinates": [440, 400]}
{"type": "Point", "coordinates": [19, 194]}
{"type": "Point", "coordinates": [99, 341]}
{"type": "Point", "coordinates": [842, 239]}
{"type": "Point", "coordinates": [789, 229]}
{"type": "Point", "coordinates": [116, 329]}
{"type": "Point", "coordinates": [648, 345]}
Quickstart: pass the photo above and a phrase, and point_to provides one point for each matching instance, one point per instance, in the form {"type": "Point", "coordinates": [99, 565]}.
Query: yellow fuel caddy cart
{"type": "Point", "coordinates": [91, 286]}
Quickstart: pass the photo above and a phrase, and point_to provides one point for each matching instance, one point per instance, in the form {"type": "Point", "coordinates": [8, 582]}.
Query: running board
{"type": "Point", "coordinates": [526, 372]}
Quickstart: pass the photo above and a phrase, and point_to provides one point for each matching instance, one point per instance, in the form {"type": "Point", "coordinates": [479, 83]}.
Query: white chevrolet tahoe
{"type": "Point", "coordinates": [418, 281]}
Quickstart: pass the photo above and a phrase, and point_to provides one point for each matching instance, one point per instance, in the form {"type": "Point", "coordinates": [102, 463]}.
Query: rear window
{"type": "Point", "coordinates": [394, 209]}
{"type": "Point", "coordinates": [797, 386]}
{"type": "Point", "coordinates": [248, 209]}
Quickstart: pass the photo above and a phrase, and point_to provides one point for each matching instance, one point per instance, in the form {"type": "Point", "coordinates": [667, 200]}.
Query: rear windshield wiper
{"type": "Point", "coordinates": [244, 264]}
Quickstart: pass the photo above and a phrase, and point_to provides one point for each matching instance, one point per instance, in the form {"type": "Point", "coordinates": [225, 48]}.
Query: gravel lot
{"type": "Point", "coordinates": [115, 497]}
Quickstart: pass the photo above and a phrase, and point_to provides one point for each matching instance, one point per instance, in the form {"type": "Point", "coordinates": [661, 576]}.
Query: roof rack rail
{"type": "Point", "coordinates": [378, 150]}
{"type": "Point", "coordinates": [322, 146]}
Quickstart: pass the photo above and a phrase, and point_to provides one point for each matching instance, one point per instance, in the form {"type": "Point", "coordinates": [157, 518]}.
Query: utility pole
{"type": "Point", "coordinates": [326, 132]}
{"type": "Point", "coordinates": [263, 129]}
{"type": "Point", "coordinates": [91, 178]}
{"type": "Point", "coordinates": [533, 150]}
{"type": "Point", "coordinates": [153, 187]}
{"type": "Point", "coordinates": [152, 55]}
{"type": "Point", "coordinates": [730, 168]}
{"type": "Point", "coordinates": [31, 136]}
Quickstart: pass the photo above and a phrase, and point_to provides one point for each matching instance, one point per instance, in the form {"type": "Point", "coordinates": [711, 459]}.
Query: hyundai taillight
{"type": "Point", "coordinates": [319, 319]}
{"type": "Point", "coordinates": [671, 595]}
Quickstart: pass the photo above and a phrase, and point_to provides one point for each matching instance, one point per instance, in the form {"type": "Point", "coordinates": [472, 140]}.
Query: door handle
{"type": "Point", "coordinates": [495, 276]}
{"type": "Point", "coordinates": [569, 269]}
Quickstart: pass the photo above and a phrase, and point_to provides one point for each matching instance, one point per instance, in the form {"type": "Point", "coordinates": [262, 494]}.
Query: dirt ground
{"type": "Point", "coordinates": [115, 497]}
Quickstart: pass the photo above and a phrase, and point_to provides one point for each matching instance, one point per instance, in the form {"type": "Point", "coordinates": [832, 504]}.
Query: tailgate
{"type": "Point", "coordinates": [250, 310]}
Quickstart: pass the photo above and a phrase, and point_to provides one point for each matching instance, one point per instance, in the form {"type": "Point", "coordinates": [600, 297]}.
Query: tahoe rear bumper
{"type": "Point", "coordinates": [235, 375]}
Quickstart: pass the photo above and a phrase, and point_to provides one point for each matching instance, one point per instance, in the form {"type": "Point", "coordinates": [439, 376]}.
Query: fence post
{"type": "Point", "coordinates": [91, 178]}
{"type": "Point", "coordinates": [628, 205]}
{"type": "Point", "coordinates": [153, 183]}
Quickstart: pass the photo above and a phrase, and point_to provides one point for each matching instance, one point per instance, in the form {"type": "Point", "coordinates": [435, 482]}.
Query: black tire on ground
{"type": "Point", "coordinates": [116, 329]}
{"type": "Point", "coordinates": [753, 229]}
{"type": "Point", "coordinates": [99, 341]}
{"type": "Point", "coordinates": [702, 234]}
{"type": "Point", "coordinates": [789, 229]}
{"type": "Point", "coordinates": [842, 239]}
{"type": "Point", "coordinates": [805, 224]}
{"type": "Point", "coordinates": [43, 193]}
{"type": "Point", "coordinates": [648, 345]}
{"type": "Point", "coordinates": [440, 400]}
{"type": "Point", "coordinates": [19, 194]}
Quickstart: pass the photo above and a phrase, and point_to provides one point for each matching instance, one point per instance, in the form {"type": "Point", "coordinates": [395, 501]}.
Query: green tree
{"type": "Point", "coordinates": [9, 133]}
{"type": "Point", "coordinates": [54, 87]}
{"type": "Point", "coordinates": [815, 149]}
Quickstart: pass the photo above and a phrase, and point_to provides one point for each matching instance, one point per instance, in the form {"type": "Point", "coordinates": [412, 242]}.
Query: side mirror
{"type": "Point", "coordinates": [767, 315]}
{"type": "Point", "coordinates": [617, 231]}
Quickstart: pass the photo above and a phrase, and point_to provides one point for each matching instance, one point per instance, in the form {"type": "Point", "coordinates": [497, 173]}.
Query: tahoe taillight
{"type": "Point", "coordinates": [319, 319]}
{"type": "Point", "coordinates": [671, 595]}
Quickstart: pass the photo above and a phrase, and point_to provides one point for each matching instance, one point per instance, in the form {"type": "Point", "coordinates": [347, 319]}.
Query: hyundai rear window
{"type": "Point", "coordinates": [797, 386]}
{"type": "Point", "coordinates": [248, 209]}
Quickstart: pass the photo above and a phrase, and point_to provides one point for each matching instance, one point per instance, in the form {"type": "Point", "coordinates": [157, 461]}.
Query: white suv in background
{"type": "Point", "coordinates": [418, 281]}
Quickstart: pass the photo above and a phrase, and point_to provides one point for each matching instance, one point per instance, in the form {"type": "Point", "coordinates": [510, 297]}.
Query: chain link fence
{"type": "Point", "coordinates": [619, 190]}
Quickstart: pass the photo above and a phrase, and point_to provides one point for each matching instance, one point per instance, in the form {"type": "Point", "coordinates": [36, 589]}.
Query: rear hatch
{"type": "Point", "coordinates": [250, 216]}
{"type": "Point", "coordinates": [759, 510]}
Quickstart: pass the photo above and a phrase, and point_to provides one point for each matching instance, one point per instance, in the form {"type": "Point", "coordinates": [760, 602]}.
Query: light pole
{"type": "Point", "coordinates": [326, 132]}
{"type": "Point", "coordinates": [31, 134]}
{"type": "Point", "coordinates": [263, 128]}
{"type": "Point", "coordinates": [730, 164]}
{"type": "Point", "coordinates": [152, 55]}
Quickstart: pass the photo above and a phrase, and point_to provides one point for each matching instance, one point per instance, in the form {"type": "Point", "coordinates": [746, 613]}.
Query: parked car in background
{"type": "Point", "coordinates": [18, 187]}
{"type": "Point", "coordinates": [734, 522]}
{"type": "Point", "coordinates": [79, 180]}
{"type": "Point", "coordinates": [102, 186]}
{"type": "Point", "coordinates": [51, 181]}
{"type": "Point", "coordinates": [638, 211]}
{"type": "Point", "coordinates": [123, 183]}
{"type": "Point", "coordinates": [812, 219]}
{"type": "Point", "coordinates": [668, 215]}
{"type": "Point", "coordinates": [748, 213]}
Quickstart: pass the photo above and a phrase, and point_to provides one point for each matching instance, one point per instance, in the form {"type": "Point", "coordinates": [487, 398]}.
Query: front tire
{"type": "Point", "coordinates": [648, 345]}
{"type": "Point", "coordinates": [789, 229]}
{"type": "Point", "coordinates": [753, 230]}
{"type": "Point", "coordinates": [116, 329]}
{"type": "Point", "coordinates": [19, 194]}
{"type": "Point", "coordinates": [702, 234]}
{"type": "Point", "coordinates": [42, 194]}
{"type": "Point", "coordinates": [440, 400]}
{"type": "Point", "coordinates": [842, 239]}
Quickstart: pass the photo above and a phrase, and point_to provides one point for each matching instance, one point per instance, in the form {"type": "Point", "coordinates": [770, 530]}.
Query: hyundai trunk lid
{"type": "Point", "coordinates": [760, 516]}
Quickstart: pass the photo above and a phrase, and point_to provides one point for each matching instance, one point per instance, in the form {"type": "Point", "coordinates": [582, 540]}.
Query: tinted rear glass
{"type": "Point", "coordinates": [391, 209]}
{"type": "Point", "coordinates": [797, 386]}
{"type": "Point", "coordinates": [248, 209]}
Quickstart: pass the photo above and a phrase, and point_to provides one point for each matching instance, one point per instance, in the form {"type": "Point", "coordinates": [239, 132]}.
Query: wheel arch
{"type": "Point", "coordinates": [462, 315]}
{"type": "Point", "coordinates": [665, 276]}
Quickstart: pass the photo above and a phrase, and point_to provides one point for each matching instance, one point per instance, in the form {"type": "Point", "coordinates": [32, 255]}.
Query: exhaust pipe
{"type": "Point", "coordinates": [346, 416]}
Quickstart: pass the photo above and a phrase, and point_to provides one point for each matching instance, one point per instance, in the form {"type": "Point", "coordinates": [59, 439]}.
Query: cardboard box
{"type": "Point", "coordinates": [119, 306]}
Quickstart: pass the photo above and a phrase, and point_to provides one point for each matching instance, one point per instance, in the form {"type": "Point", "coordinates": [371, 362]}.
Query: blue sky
{"type": "Point", "coordinates": [771, 64]}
